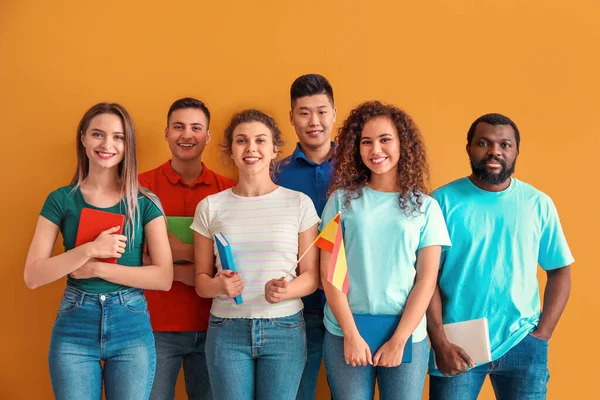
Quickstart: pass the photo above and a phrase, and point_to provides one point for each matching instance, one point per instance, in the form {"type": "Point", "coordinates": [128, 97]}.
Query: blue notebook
{"type": "Point", "coordinates": [378, 329]}
{"type": "Point", "coordinates": [226, 257]}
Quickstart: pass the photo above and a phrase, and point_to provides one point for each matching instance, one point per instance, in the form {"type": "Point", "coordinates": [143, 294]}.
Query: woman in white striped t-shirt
{"type": "Point", "coordinates": [256, 349]}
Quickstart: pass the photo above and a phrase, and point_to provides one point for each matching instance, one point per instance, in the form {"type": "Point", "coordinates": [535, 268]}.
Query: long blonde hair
{"type": "Point", "coordinates": [128, 176]}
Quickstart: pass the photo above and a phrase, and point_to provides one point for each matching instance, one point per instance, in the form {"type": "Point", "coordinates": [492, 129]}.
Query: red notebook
{"type": "Point", "coordinates": [94, 222]}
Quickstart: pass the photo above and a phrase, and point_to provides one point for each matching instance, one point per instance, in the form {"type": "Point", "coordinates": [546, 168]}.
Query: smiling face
{"type": "Point", "coordinates": [493, 153]}
{"type": "Point", "coordinates": [187, 134]}
{"type": "Point", "coordinates": [104, 141]}
{"type": "Point", "coordinates": [252, 148]}
{"type": "Point", "coordinates": [380, 147]}
{"type": "Point", "coordinates": [312, 117]}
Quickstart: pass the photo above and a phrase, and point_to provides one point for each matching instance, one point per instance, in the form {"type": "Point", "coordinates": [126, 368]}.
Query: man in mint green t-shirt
{"type": "Point", "coordinates": [501, 229]}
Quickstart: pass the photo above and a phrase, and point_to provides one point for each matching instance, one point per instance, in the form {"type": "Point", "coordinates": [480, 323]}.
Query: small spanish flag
{"type": "Point", "coordinates": [331, 240]}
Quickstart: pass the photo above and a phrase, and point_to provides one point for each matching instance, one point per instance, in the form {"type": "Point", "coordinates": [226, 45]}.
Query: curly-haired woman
{"type": "Point", "coordinates": [394, 235]}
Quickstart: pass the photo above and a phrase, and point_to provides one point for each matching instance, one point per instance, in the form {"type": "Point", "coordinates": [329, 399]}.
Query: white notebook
{"type": "Point", "coordinates": [473, 336]}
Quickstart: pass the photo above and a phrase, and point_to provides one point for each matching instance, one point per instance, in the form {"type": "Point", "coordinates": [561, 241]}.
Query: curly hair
{"type": "Point", "coordinates": [352, 175]}
{"type": "Point", "coordinates": [248, 116]}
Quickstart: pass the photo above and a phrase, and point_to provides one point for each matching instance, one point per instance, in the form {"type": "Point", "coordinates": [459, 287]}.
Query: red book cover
{"type": "Point", "coordinates": [94, 222]}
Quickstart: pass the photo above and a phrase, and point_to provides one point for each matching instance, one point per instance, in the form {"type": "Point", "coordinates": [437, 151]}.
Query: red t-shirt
{"type": "Point", "coordinates": [180, 309]}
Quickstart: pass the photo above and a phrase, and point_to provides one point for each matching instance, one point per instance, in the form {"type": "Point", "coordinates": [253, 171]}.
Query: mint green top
{"type": "Point", "coordinates": [63, 207]}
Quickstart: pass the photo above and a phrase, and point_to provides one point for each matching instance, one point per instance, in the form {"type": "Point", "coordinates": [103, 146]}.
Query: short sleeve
{"type": "Point", "coordinates": [308, 213]}
{"type": "Point", "coordinates": [145, 180]}
{"type": "Point", "coordinates": [554, 251]}
{"type": "Point", "coordinates": [52, 209]}
{"type": "Point", "coordinates": [150, 208]}
{"type": "Point", "coordinates": [332, 207]}
{"type": "Point", "coordinates": [201, 222]}
{"type": "Point", "coordinates": [434, 231]}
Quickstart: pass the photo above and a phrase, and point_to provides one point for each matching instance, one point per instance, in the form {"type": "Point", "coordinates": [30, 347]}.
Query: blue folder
{"type": "Point", "coordinates": [224, 250]}
{"type": "Point", "coordinates": [378, 329]}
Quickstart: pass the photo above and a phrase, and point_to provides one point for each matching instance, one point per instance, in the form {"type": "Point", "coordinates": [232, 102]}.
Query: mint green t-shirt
{"type": "Point", "coordinates": [381, 251]}
{"type": "Point", "coordinates": [63, 207]}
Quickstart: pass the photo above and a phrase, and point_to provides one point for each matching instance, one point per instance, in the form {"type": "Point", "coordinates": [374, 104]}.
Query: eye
{"type": "Point", "coordinates": [322, 112]}
{"type": "Point", "coordinates": [197, 129]}
{"type": "Point", "coordinates": [120, 138]}
{"type": "Point", "coordinates": [365, 142]}
{"type": "Point", "coordinates": [481, 143]}
{"type": "Point", "coordinates": [506, 145]}
{"type": "Point", "coordinates": [261, 140]}
{"type": "Point", "coordinates": [386, 140]}
{"type": "Point", "coordinates": [240, 141]}
{"type": "Point", "coordinates": [304, 113]}
{"type": "Point", "coordinates": [96, 134]}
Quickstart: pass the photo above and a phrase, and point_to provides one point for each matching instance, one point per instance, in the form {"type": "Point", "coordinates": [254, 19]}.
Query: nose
{"type": "Point", "coordinates": [376, 147]}
{"type": "Point", "coordinates": [495, 149]}
{"type": "Point", "coordinates": [314, 119]}
{"type": "Point", "coordinates": [250, 146]}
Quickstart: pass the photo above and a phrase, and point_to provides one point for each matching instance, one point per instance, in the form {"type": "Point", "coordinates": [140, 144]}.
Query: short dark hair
{"type": "Point", "coordinates": [493, 119]}
{"type": "Point", "coordinates": [310, 85]}
{"type": "Point", "coordinates": [189, 102]}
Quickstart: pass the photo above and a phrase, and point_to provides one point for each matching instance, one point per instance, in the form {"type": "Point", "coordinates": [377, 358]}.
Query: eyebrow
{"type": "Point", "coordinates": [380, 135]}
{"type": "Point", "coordinates": [183, 123]}
{"type": "Point", "coordinates": [309, 108]}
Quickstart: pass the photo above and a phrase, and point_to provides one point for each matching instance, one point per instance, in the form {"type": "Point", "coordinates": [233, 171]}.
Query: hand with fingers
{"type": "Point", "coordinates": [276, 290]}
{"type": "Point", "coordinates": [452, 360]}
{"type": "Point", "coordinates": [86, 271]}
{"type": "Point", "coordinates": [109, 244]}
{"type": "Point", "coordinates": [357, 351]}
{"type": "Point", "coordinates": [390, 354]}
{"type": "Point", "coordinates": [232, 284]}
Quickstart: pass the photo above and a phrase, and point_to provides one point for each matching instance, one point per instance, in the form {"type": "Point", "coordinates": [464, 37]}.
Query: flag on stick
{"type": "Point", "coordinates": [331, 240]}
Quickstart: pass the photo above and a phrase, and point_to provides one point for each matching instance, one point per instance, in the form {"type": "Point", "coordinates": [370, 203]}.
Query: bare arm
{"type": "Point", "coordinates": [185, 273]}
{"type": "Point", "coordinates": [450, 358]}
{"type": "Point", "coordinates": [157, 276]}
{"type": "Point", "coordinates": [356, 350]}
{"type": "Point", "coordinates": [41, 268]}
{"type": "Point", "coordinates": [428, 261]}
{"type": "Point", "coordinates": [207, 284]}
{"type": "Point", "coordinates": [277, 290]}
{"type": "Point", "coordinates": [556, 294]}
{"type": "Point", "coordinates": [181, 251]}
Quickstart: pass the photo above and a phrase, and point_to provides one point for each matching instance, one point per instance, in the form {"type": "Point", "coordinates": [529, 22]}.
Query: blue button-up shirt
{"type": "Point", "coordinates": [297, 172]}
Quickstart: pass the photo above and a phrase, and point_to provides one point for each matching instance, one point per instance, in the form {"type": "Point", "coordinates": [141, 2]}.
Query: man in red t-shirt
{"type": "Point", "coordinates": [180, 317]}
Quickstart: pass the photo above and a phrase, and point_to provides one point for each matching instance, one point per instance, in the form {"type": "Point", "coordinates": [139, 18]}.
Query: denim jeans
{"type": "Point", "coordinates": [358, 383]}
{"type": "Point", "coordinates": [109, 327]}
{"type": "Point", "coordinates": [174, 349]}
{"type": "Point", "coordinates": [520, 374]}
{"type": "Point", "coordinates": [256, 358]}
{"type": "Point", "coordinates": [315, 331]}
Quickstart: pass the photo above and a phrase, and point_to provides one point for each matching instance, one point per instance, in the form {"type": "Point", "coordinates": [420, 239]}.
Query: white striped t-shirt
{"type": "Point", "coordinates": [263, 234]}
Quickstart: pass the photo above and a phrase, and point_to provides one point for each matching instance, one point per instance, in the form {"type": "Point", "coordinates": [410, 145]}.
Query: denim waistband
{"type": "Point", "coordinates": [119, 297]}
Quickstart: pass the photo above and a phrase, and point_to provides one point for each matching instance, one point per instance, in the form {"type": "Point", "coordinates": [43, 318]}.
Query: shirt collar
{"type": "Point", "coordinates": [298, 154]}
{"type": "Point", "coordinates": [206, 177]}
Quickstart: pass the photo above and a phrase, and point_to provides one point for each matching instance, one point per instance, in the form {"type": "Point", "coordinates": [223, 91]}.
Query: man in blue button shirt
{"type": "Point", "coordinates": [309, 170]}
{"type": "Point", "coordinates": [501, 229]}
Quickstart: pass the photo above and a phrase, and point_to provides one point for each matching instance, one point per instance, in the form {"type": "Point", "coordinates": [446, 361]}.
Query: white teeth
{"type": "Point", "coordinates": [378, 160]}
{"type": "Point", "coordinates": [186, 145]}
{"type": "Point", "coordinates": [106, 154]}
{"type": "Point", "coordinates": [251, 159]}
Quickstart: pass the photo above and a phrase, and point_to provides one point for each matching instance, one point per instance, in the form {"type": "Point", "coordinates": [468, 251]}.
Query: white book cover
{"type": "Point", "coordinates": [473, 336]}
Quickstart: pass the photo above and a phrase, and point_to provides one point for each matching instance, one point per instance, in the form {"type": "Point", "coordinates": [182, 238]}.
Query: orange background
{"type": "Point", "coordinates": [444, 62]}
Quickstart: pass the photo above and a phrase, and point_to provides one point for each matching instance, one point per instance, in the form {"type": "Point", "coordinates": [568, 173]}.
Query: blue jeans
{"type": "Point", "coordinates": [520, 374]}
{"type": "Point", "coordinates": [174, 349]}
{"type": "Point", "coordinates": [358, 383]}
{"type": "Point", "coordinates": [255, 358]}
{"type": "Point", "coordinates": [315, 331]}
{"type": "Point", "coordinates": [110, 327]}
